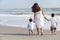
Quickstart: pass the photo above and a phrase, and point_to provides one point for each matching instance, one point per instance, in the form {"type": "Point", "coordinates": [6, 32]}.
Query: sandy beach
{"type": "Point", "coordinates": [17, 33]}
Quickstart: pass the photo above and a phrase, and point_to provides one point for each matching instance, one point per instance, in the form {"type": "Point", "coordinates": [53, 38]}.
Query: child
{"type": "Point", "coordinates": [53, 24]}
{"type": "Point", "coordinates": [30, 26]}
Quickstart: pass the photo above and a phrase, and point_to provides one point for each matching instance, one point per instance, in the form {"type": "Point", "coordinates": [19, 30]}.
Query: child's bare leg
{"type": "Point", "coordinates": [29, 32]}
{"type": "Point", "coordinates": [32, 31]}
{"type": "Point", "coordinates": [38, 31]}
{"type": "Point", "coordinates": [51, 32]}
{"type": "Point", "coordinates": [41, 30]}
{"type": "Point", "coordinates": [54, 32]}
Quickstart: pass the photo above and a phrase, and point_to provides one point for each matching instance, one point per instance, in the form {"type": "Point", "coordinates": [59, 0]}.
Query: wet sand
{"type": "Point", "coordinates": [18, 33]}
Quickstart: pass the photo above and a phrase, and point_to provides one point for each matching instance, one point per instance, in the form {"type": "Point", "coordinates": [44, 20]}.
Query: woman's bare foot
{"type": "Point", "coordinates": [41, 33]}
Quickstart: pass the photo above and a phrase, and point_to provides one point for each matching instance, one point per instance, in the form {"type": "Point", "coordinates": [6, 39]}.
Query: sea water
{"type": "Point", "coordinates": [21, 20]}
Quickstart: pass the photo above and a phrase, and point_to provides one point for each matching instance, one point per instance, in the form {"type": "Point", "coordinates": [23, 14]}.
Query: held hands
{"type": "Point", "coordinates": [46, 19]}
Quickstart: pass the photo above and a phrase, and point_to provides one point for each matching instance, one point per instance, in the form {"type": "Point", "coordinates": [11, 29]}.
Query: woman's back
{"type": "Point", "coordinates": [39, 15]}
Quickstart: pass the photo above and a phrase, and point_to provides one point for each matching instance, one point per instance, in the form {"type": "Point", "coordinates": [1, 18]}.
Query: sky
{"type": "Point", "coordinates": [9, 4]}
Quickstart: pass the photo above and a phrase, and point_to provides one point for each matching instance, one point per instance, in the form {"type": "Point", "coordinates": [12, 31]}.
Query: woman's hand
{"type": "Point", "coordinates": [46, 19]}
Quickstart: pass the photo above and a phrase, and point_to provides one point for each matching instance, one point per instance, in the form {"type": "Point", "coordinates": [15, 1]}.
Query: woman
{"type": "Point", "coordinates": [38, 17]}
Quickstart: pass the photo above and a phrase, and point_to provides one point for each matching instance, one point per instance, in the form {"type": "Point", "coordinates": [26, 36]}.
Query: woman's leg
{"type": "Point", "coordinates": [38, 31]}
{"type": "Point", "coordinates": [41, 30]}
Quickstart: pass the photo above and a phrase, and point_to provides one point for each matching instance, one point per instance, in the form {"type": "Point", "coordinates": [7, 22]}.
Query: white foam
{"type": "Point", "coordinates": [21, 20]}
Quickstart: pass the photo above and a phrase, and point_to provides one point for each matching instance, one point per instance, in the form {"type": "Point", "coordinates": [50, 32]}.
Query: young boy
{"type": "Point", "coordinates": [30, 26]}
{"type": "Point", "coordinates": [53, 24]}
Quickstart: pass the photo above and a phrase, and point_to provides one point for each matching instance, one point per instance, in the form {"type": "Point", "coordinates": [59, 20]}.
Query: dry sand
{"type": "Point", "coordinates": [17, 33]}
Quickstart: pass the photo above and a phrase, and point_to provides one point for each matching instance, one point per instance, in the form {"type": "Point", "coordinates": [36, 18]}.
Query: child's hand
{"type": "Point", "coordinates": [56, 23]}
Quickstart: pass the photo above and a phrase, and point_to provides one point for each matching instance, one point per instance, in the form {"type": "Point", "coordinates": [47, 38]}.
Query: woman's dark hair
{"type": "Point", "coordinates": [36, 8]}
{"type": "Point", "coordinates": [52, 15]}
{"type": "Point", "coordinates": [30, 20]}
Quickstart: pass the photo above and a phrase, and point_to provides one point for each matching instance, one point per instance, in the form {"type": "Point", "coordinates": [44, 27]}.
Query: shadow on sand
{"type": "Point", "coordinates": [20, 34]}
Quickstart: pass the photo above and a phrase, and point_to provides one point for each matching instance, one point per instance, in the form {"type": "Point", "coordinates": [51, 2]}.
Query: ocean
{"type": "Point", "coordinates": [20, 17]}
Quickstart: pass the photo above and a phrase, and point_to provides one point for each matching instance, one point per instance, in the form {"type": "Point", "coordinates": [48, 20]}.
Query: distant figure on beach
{"type": "Point", "coordinates": [53, 23]}
{"type": "Point", "coordinates": [30, 26]}
{"type": "Point", "coordinates": [38, 17]}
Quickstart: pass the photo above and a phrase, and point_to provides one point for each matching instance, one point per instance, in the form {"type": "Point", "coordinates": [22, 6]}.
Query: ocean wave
{"type": "Point", "coordinates": [21, 20]}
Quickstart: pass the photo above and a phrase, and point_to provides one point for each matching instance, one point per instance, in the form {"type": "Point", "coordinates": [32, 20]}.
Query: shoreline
{"type": "Point", "coordinates": [18, 26]}
{"type": "Point", "coordinates": [18, 33]}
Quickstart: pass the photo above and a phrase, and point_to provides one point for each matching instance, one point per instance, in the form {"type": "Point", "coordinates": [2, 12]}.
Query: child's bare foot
{"type": "Point", "coordinates": [32, 34]}
{"type": "Point", "coordinates": [54, 32]}
{"type": "Point", "coordinates": [29, 34]}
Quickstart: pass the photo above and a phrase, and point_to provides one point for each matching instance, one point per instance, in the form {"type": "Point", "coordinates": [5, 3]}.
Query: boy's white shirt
{"type": "Point", "coordinates": [53, 21]}
{"type": "Point", "coordinates": [30, 25]}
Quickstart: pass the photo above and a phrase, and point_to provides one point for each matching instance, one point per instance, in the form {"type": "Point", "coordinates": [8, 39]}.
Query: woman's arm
{"type": "Point", "coordinates": [44, 15]}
